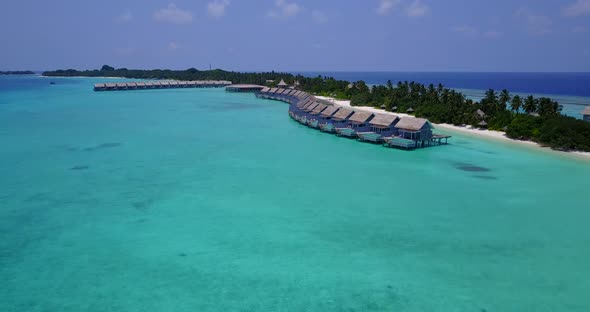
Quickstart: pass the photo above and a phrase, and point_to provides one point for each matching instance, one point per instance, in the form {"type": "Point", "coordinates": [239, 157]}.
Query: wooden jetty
{"type": "Point", "coordinates": [142, 85]}
{"type": "Point", "coordinates": [244, 88]}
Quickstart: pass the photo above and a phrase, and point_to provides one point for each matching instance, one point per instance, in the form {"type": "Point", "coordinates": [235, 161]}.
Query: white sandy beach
{"type": "Point", "coordinates": [495, 135]}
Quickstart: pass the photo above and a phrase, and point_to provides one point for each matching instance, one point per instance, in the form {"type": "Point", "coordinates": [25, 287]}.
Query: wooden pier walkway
{"type": "Point", "coordinates": [144, 85]}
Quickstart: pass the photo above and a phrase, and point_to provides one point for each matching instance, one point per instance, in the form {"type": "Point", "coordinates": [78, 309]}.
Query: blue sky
{"type": "Point", "coordinates": [298, 35]}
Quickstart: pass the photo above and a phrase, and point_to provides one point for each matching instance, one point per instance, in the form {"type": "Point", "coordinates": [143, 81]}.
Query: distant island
{"type": "Point", "coordinates": [17, 72]}
{"type": "Point", "coordinates": [535, 119]}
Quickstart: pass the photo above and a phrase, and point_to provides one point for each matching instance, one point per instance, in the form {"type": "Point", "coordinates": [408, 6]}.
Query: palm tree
{"type": "Point", "coordinates": [530, 104]}
{"type": "Point", "coordinates": [515, 104]}
{"type": "Point", "coordinates": [504, 98]}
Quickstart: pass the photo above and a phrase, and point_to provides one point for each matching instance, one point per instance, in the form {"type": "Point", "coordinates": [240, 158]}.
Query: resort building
{"type": "Point", "coordinates": [586, 114]}
{"type": "Point", "coordinates": [282, 84]}
{"type": "Point", "coordinates": [416, 129]}
{"type": "Point", "coordinates": [386, 128]}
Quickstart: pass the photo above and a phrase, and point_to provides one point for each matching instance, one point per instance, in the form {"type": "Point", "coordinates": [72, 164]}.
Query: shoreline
{"type": "Point", "coordinates": [498, 136]}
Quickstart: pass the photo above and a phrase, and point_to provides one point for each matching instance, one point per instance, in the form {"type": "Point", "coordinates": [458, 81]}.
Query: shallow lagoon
{"type": "Point", "coordinates": [201, 200]}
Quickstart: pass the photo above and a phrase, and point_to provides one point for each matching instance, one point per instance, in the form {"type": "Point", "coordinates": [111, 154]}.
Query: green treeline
{"type": "Point", "coordinates": [530, 118]}
{"type": "Point", "coordinates": [186, 75]}
{"type": "Point", "coordinates": [17, 72]}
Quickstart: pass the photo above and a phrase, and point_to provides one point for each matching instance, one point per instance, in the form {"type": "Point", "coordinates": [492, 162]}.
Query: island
{"type": "Point", "coordinates": [17, 72]}
{"type": "Point", "coordinates": [530, 119]}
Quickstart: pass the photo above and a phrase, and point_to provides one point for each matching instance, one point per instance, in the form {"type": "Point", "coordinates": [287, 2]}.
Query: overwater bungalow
{"type": "Point", "coordinates": [314, 115]}
{"type": "Point", "coordinates": [358, 122]}
{"type": "Point", "coordinates": [586, 114]}
{"type": "Point", "coordinates": [382, 125]}
{"type": "Point", "coordinates": [310, 107]}
{"type": "Point", "coordinates": [339, 119]}
{"type": "Point", "coordinates": [416, 129]}
{"type": "Point", "coordinates": [140, 85]}
{"type": "Point", "coordinates": [264, 90]}
{"type": "Point", "coordinates": [173, 84]}
{"type": "Point", "coordinates": [303, 104]}
{"type": "Point", "coordinates": [99, 87]}
{"type": "Point", "coordinates": [121, 86]}
{"type": "Point", "coordinates": [131, 85]}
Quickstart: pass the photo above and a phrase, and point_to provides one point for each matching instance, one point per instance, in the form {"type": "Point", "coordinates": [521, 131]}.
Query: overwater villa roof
{"type": "Point", "coordinates": [99, 85]}
{"type": "Point", "coordinates": [141, 84]}
{"type": "Point", "coordinates": [303, 103]}
{"type": "Point", "coordinates": [383, 120]}
{"type": "Point", "coordinates": [310, 103]}
{"type": "Point", "coordinates": [342, 113]}
{"type": "Point", "coordinates": [311, 107]}
{"type": "Point", "coordinates": [111, 85]}
{"type": "Point", "coordinates": [318, 109]}
{"type": "Point", "coordinates": [361, 116]}
{"type": "Point", "coordinates": [121, 84]}
{"type": "Point", "coordinates": [131, 84]}
{"type": "Point", "coordinates": [282, 83]}
{"type": "Point", "coordinates": [331, 110]}
{"type": "Point", "coordinates": [411, 123]}
{"type": "Point", "coordinates": [273, 90]}
{"type": "Point", "coordinates": [265, 89]}
{"type": "Point", "coordinates": [586, 111]}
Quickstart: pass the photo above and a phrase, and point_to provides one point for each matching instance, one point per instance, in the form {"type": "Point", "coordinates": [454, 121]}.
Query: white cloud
{"type": "Point", "coordinates": [417, 9]}
{"type": "Point", "coordinates": [217, 8]}
{"type": "Point", "coordinates": [493, 34]}
{"type": "Point", "coordinates": [386, 6]}
{"type": "Point", "coordinates": [578, 8]}
{"type": "Point", "coordinates": [124, 18]}
{"type": "Point", "coordinates": [174, 15]}
{"type": "Point", "coordinates": [466, 30]}
{"type": "Point", "coordinates": [319, 17]}
{"type": "Point", "coordinates": [474, 32]}
{"type": "Point", "coordinates": [535, 24]}
{"type": "Point", "coordinates": [173, 46]}
{"type": "Point", "coordinates": [284, 9]}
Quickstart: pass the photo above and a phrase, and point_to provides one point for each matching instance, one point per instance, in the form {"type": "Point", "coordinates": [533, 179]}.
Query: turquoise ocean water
{"type": "Point", "coordinates": [202, 200]}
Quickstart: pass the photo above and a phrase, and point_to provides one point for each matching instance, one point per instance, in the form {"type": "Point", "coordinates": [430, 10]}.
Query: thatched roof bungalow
{"type": "Point", "coordinates": [342, 114]}
{"type": "Point", "coordinates": [384, 123]}
{"type": "Point", "coordinates": [417, 129]}
{"type": "Point", "coordinates": [282, 84]}
{"type": "Point", "coordinates": [318, 109]}
{"type": "Point", "coordinates": [359, 120]}
{"type": "Point", "coordinates": [329, 111]}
